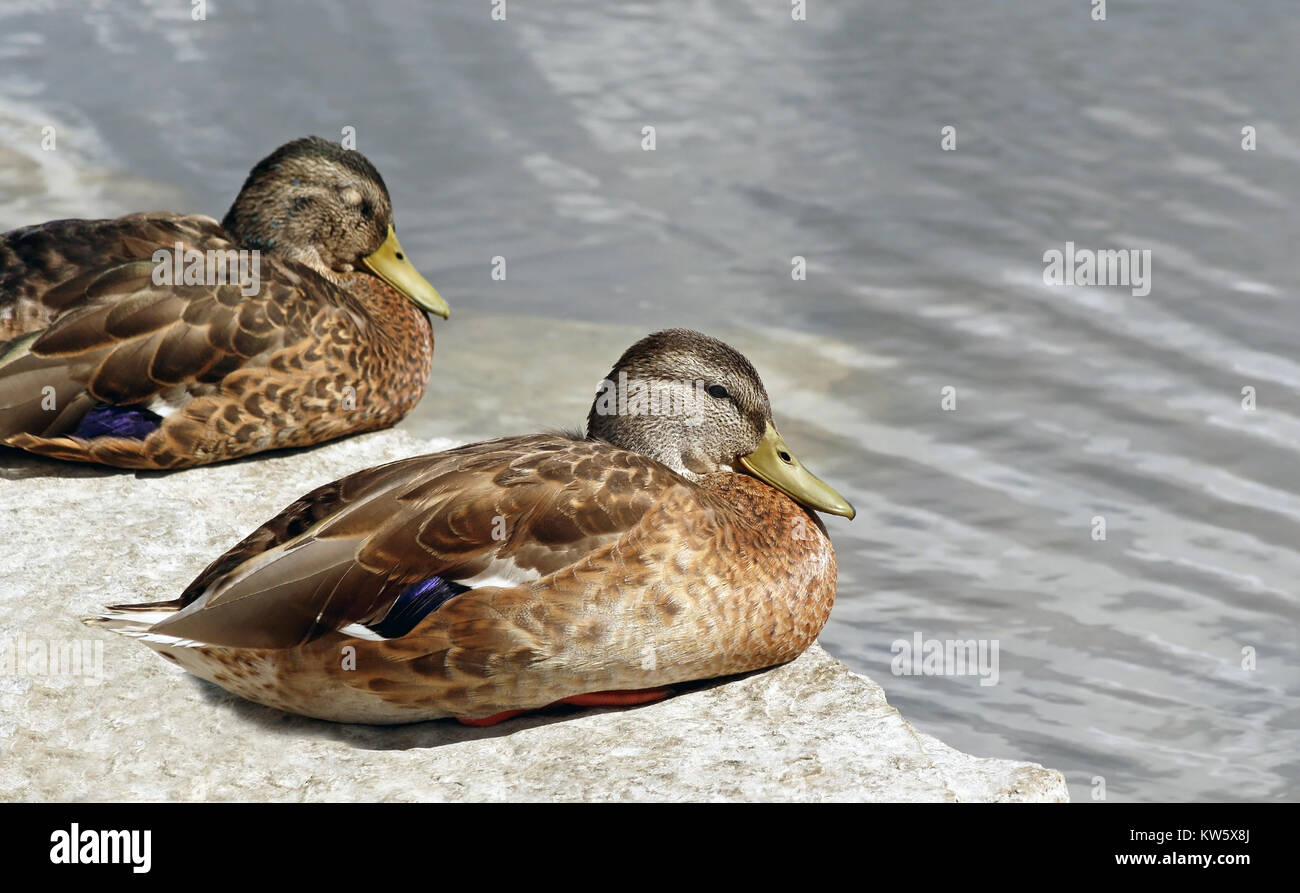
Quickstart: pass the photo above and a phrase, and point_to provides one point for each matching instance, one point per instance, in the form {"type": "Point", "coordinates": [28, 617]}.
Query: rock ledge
{"type": "Point", "coordinates": [126, 725]}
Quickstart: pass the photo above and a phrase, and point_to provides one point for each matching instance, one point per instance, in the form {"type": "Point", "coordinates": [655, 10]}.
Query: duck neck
{"type": "Point", "coordinates": [790, 563]}
{"type": "Point", "coordinates": [401, 334]}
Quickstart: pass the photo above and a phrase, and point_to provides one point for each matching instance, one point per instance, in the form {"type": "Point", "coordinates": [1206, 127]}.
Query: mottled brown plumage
{"type": "Point", "coordinates": [324, 348]}
{"type": "Point", "coordinates": [589, 568]}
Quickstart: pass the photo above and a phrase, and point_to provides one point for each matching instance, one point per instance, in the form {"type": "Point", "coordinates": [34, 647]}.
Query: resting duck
{"type": "Point", "coordinates": [164, 341]}
{"type": "Point", "coordinates": [677, 541]}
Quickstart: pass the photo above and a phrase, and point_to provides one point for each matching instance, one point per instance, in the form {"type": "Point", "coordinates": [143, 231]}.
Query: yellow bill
{"type": "Point", "coordinates": [773, 463]}
{"type": "Point", "coordinates": [389, 263]}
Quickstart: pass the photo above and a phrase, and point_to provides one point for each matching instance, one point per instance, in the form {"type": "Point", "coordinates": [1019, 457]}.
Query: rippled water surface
{"type": "Point", "coordinates": [1120, 658]}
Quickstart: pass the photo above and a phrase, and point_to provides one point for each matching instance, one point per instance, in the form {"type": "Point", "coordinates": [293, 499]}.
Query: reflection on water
{"type": "Point", "coordinates": [1119, 658]}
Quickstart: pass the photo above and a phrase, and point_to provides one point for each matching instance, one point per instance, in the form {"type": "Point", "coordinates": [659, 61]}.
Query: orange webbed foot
{"type": "Point", "coordinates": [617, 698]}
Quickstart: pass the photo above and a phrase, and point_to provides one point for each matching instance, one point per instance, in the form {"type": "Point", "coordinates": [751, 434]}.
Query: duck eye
{"type": "Point", "coordinates": [717, 390]}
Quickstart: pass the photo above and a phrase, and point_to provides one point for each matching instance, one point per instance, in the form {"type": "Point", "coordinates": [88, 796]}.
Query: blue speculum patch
{"type": "Point", "coordinates": [414, 603]}
{"type": "Point", "coordinates": [106, 420]}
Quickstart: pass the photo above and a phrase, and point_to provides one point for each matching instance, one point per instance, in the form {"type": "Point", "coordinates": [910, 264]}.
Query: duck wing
{"type": "Point", "coordinates": [43, 267]}
{"type": "Point", "coordinates": [409, 535]}
{"type": "Point", "coordinates": [119, 338]}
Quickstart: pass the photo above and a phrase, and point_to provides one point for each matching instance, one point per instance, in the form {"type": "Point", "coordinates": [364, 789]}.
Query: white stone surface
{"type": "Point", "coordinates": [129, 726]}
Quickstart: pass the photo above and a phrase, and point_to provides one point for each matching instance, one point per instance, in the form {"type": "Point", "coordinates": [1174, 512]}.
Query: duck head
{"type": "Point", "coordinates": [698, 406]}
{"type": "Point", "coordinates": [317, 203]}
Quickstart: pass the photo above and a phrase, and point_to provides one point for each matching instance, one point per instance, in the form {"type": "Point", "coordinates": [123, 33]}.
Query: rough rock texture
{"type": "Point", "coordinates": [126, 725]}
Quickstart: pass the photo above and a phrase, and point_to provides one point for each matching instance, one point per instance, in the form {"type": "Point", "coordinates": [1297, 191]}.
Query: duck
{"type": "Point", "coordinates": [163, 341]}
{"type": "Point", "coordinates": [678, 539]}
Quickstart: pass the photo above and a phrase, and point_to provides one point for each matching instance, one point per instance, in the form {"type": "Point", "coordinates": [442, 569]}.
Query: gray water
{"type": "Point", "coordinates": [1119, 658]}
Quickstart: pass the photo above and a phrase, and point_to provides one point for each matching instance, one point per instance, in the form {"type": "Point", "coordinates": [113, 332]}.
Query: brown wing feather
{"type": "Point", "coordinates": [342, 553]}
{"type": "Point", "coordinates": [44, 268]}
{"type": "Point", "coordinates": [128, 340]}
{"type": "Point", "coordinates": [135, 338]}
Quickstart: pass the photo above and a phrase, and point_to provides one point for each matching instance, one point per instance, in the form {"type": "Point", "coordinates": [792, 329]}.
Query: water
{"type": "Point", "coordinates": [1120, 659]}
